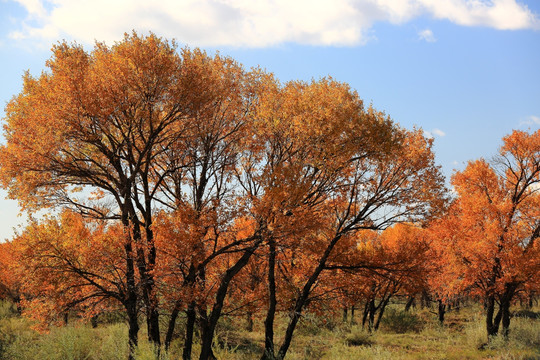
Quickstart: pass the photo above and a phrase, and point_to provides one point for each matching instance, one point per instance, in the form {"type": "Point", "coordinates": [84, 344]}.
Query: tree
{"type": "Point", "coordinates": [382, 179]}
{"type": "Point", "coordinates": [493, 226]}
{"type": "Point", "coordinates": [114, 134]}
{"type": "Point", "coordinates": [400, 266]}
{"type": "Point", "coordinates": [192, 165]}
{"type": "Point", "coordinates": [10, 274]}
{"type": "Point", "coordinates": [69, 265]}
{"type": "Point", "coordinates": [202, 202]}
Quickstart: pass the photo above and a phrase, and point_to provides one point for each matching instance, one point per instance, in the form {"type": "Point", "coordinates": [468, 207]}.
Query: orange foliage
{"type": "Point", "coordinates": [489, 240]}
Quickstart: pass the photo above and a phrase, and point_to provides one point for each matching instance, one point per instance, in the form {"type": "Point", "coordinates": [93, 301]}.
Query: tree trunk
{"type": "Point", "coordinates": [131, 297]}
{"type": "Point", "coordinates": [172, 324]}
{"type": "Point", "coordinates": [382, 307]}
{"type": "Point", "coordinates": [410, 303]}
{"type": "Point", "coordinates": [365, 313]}
{"type": "Point", "coordinates": [353, 321]}
{"type": "Point", "coordinates": [153, 312]}
{"type": "Point", "coordinates": [425, 300]}
{"type": "Point", "coordinates": [145, 265]}
{"type": "Point", "coordinates": [505, 318]}
{"type": "Point", "coordinates": [209, 326]}
{"type": "Point", "coordinates": [345, 314]}
{"type": "Point", "coordinates": [249, 322]}
{"type": "Point", "coordinates": [442, 312]}
{"type": "Point", "coordinates": [272, 303]}
{"type": "Point", "coordinates": [492, 323]}
{"type": "Point", "coordinates": [133, 328]}
{"type": "Point", "coordinates": [304, 296]}
{"type": "Point", "coordinates": [190, 328]}
{"type": "Point", "coordinates": [371, 314]}
{"type": "Point", "coordinates": [94, 321]}
{"type": "Point", "coordinates": [506, 300]}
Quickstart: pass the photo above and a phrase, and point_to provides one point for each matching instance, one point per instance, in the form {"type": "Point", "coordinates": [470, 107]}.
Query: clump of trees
{"type": "Point", "coordinates": [181, 183]}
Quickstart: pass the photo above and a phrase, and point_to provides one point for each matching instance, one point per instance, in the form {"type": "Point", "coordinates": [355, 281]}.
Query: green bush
{"type": "Point", "coordinates": [527, 314]}
{"type": "Point", "coordinates": [401, 322]}
{"type": "Point", "coordinates": [7, 309]}
{"type": "Point", "coordinates": [311, 324]}
{"type": "Point", "coordinates": [359, 337]}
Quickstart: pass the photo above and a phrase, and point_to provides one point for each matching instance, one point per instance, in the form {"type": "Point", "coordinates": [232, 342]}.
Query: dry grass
{"type": "Point", "coordinates": [462, 337]}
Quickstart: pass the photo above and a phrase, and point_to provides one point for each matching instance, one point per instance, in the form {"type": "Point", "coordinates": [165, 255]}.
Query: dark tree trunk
{"type": "Point", "coordinates": [133, 328]}
{"type": "Point", "coordinates": [441, 312]}
{"type": "Point", "coordinates": [131, 298]}
{"type": "Point", "coordinates": [190, 328]}
{"type": "Point", "coordinates": [506, 301]}
{"type": "Point", "coordinates": [365, 313]}
{"type": "Point", "coordinates": [371, 314]}
{"type": "Point", "coordinates": [302, 299]}
{"type": "Point", "coordinates": [249, 321]}
{"type": "Point", "coordinates": [148, 295]}
{"type": "Point", "coordinates": [505, 318]}
{"type": "Point", "coordinates": [94, 321]}
{"type": "Point", "coordinates": [209, 326]}
{"type": "Point", "coordinates": [272, 303]}
{"type": "Point", "coordinates": [152, 312]}
{"type": "Point", "coordinates": [353, 321]}
{"type": "Point", "coordinates": [492, 323]}
{"type": "Point", "coordinates": [382, 307]}
{"type": "Point", "coordinates": [345, 314]}
{"type": "Point", "coordinates": [172, 325]}
{"type": "Point", "coordinates": [145, 264]}
{"type": "Point", "coordinates": [425, 300]}
{"type": "Point", "coordinates": [410, 303]}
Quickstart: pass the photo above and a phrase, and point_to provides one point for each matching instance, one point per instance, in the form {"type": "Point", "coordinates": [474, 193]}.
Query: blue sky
{"type": "Point", "coordinates": [466, 71]}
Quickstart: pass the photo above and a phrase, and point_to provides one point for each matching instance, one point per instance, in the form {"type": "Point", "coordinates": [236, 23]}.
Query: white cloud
{"type": "Point", "coordinates": [435, 132]}
{"type": "Point", "coordinates": [426, 35]}
{"type": "Point", "coordinates": [498, 14]}
{"type": "Point", "coordinates": [534, 119]}
{"type": "Point", "coordinates": [530, 120]}
{"type": "Point", "coordinates": [254, 23]}
{"type": "Point", "coordinates": [438, 132]}
{"type": "Point", "coordinates": [34, 8]}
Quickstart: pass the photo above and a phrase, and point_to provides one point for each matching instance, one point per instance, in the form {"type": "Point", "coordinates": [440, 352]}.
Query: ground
{"type": "Point", "coordinates": [413, 335]}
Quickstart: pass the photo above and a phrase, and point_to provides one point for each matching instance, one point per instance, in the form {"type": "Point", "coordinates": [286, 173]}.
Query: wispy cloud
{"type": "Point", "coordinates": [531, 120]}
{"type": "Point", "coordinates": [434, 132]}
{"type": "Point", "coordinates": [426, 35]}
{"type": "Point", "coordinates": [255, 23]}
{"type": "Point", "coordinates": [438, 132]}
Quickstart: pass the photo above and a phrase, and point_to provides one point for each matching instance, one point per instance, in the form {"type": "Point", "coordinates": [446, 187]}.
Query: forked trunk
{"type": "Point", "coordinates": [209, 325]}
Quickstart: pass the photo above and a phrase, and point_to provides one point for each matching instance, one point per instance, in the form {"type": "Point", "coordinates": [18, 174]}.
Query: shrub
{"type": "Point", "coordinates": [7, 309]}
{"type": "Point", "coordinates": [401, 322]}
{"type": "Point", "coordinates": [359, 337]}
{"type": "Point", "coordinates": [526, 332]}
{"type": "Point", "coordinates": [527, 314]}
{"type": "Point", "coordinates": [312, 324]}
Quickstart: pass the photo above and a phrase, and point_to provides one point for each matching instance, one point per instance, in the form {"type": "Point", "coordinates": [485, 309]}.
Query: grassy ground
{"type": "Point", "coordinates": [402, 336]}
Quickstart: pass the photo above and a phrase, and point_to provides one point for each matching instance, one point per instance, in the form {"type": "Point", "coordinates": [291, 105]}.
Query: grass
{"type": "Point", "coordinates": [402, 336]}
